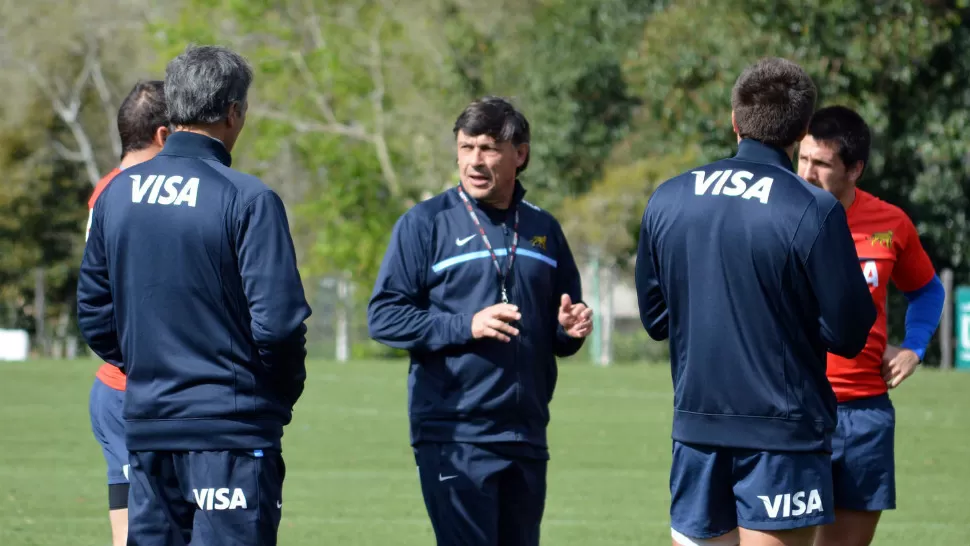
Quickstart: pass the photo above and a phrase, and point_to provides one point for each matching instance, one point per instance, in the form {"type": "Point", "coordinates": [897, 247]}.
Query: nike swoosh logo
{"type": "Point", "coordinates": [279, 504]}
{"type": "Point", "coordinates": [445, 478]}
{"type": "Point", "coordinates": [461, 242]}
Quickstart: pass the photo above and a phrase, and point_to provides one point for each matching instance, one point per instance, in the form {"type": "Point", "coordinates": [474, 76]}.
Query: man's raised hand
{"type": "Point", "coordinates": [493, 322]}
{"type": "Point", "coordinates": [576, 319]}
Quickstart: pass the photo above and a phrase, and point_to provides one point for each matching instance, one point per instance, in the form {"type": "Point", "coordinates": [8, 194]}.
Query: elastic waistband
{"type": "Point", "coordinates": [202, 434]}
{"type": "Point", "coordinates": [475, 431]}
{"type": "Point", "coordinates": [880, 401]}
{"type": "Point", "coordinates": [755, 433]}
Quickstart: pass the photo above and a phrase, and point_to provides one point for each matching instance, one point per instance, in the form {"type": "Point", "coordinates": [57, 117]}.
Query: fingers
{"type": "Point", "coordinates": [893, 373]}
{"type": "Point", "coordinates": [506, 312]}
{"type": "Point", "coordinates": [887, 372]}
{"type": "Point", "coordinates": [495, 334]}
{"type": "Point", "coordinates": [580, 329]}
{"type": "Point", "coordinates": [890, 353]}
{"type": "Point", "coordinates": [898, 378]}
{"type": "Point", "coordinates": [499, 326]}
{"type": "Point", "coordinates": [499, 330]}
{"type": "Point", "coordinates": [577, 315]}
{"type": "Point", "coordinates": [565, 302]}
{"type": "Point", "coordinates": [493, 322]}
{"type": "Point", "coordinates": [578, 310]}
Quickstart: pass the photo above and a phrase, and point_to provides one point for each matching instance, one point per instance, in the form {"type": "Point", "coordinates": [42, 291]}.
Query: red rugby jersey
{"type": "Point", "coordinates": [889, 249]}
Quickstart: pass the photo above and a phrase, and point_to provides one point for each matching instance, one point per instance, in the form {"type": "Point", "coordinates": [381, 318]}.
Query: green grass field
{"type": "Point", "coordinates": [351, 477]}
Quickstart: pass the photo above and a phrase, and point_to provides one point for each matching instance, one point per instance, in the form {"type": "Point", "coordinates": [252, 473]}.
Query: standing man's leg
{"type": "Point", "coordinates": [237, 496]}
{"type": "Point", "coordinates": [522, 501]}
{"type": "Point", "coordinates": [703, 510]}
{"type": "Point", "coordinates": [460, 486]}
{"type": "Point", "coordinates": [104, 409]}
{"type": "Point", "coordinates": [864, 471]}
{"type": "Point", "coordinates": [782, 497]}
{"type": "Point", "coordinates": [158, 514]}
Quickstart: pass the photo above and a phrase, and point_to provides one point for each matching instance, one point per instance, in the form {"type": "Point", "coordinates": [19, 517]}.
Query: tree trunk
{"type": "Point", "coordinates": [60, 339]}
{"type": "Point", "coordinates": [40, 311]}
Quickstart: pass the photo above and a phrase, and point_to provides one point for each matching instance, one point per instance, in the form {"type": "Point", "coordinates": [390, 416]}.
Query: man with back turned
{"type": "Point", "coordinates": [752, 274]}
{"type": "Point", "coordinates": [189, 284]}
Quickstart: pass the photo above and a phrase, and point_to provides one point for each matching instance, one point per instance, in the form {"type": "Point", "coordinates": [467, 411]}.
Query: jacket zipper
{"type": "Point", "coordinates": [515, 341]}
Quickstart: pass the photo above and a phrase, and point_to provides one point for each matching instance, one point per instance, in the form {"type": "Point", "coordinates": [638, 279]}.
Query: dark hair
{"type": "Point", "coordinates": [773, 101]}
{"type": "Point", "coordinates": [846, 128]}
{"type": "Point", "coordinates": [203, 82]}
{"type": "Point", "coordinates": [497, 118]}
{"type": "Point", "coordinates": [140, 115]}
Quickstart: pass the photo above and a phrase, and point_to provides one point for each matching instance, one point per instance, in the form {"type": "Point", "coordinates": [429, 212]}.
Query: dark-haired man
{"type": "Point", "coordinates": [752, 274]}
{"type": "Point", "coordinates": [481, 288]}
{"type": "Point", "coordinates": [143, 127]}
{"type": "Point", "coordinates": [833, 156]}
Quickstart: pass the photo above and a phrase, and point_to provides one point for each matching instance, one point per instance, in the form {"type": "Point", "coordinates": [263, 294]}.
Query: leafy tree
{"type": "Point", "coordinates": [897, 62]}
{"type": "Point", "coordinates": [42, 218]}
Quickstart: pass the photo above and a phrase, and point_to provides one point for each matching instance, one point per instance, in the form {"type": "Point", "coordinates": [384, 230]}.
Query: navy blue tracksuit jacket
{"type": "Point", "coordinates": [752, 274]}
{"type": "Point", "coordinates": [189, 279]}
{"type": "Point", "coordinates": [436, 274]}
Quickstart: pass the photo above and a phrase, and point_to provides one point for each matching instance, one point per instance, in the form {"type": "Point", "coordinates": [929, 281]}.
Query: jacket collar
{"type": "Point", "coordinates": [186, 144]}
{"type": "Point", "coordinates": [758, 152]}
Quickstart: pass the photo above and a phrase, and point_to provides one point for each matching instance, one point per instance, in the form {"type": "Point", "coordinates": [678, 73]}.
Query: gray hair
{"type": "Point", "coordinates": [202, 82]}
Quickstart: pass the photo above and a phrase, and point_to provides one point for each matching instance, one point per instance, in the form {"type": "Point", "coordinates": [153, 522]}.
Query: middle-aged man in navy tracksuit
{"type": "Point", "coordinates": [189, 279]}
{"type": "Point", "coordinates": [481, 288]}
{"type": "Point", "coordinates": [752, 273]}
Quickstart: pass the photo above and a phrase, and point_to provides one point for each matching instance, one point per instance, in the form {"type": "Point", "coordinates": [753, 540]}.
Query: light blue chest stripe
{"type": "Point", "coordinates": [480, 254]}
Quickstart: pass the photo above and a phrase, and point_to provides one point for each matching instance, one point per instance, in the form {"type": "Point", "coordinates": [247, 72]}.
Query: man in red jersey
{"type": "Point", "coordinates": [143, 127]}
{"type": "Point", "coordinates": [833, 156]}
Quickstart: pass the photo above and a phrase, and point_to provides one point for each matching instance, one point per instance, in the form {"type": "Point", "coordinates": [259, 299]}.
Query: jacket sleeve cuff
{"type": "Point", "coordinates": [566, 345]}
{"type": "Point", "coordinates": [462, 328]}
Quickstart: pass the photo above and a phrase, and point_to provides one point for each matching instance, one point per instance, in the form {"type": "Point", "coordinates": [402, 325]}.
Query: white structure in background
{"type": "Point", "coordinates": [339, 304]}
{"type": "Point", "coordinates": [14, 345]}
{"type": "Point", "coordinates": [612, 297]}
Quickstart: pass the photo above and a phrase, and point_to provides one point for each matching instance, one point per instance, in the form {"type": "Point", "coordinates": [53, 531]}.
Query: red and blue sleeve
{"type": "Point", "coordinates": [915, 276]}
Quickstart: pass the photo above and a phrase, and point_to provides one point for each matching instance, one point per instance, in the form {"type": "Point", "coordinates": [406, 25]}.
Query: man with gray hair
{"type": "Point", "coordinates": [189, 284]}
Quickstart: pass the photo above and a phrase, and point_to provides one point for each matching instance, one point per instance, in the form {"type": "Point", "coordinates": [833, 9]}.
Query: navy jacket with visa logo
{"type": "Point", "coordinates": [752, 274]}
{"type": "Point", "coordinates": [436, 274]}
{"type": "Point", "coordinates": [189, 283]}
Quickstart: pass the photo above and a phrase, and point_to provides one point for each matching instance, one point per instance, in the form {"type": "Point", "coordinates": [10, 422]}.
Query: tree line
{"type": "Point", "coordinates": [353, 104]}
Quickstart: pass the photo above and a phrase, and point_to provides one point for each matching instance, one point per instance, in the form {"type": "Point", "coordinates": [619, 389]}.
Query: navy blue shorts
{"type": "Point", "coordinates": [477, 495]}
{"type": "Point", "coordinates": [104, 408]}
{"type": "Point", "coordinates": [863, 455]}
{"type": "Point", "coordinates": [715, 490]}
{"type": "Point", "coordinates": [205, 498]}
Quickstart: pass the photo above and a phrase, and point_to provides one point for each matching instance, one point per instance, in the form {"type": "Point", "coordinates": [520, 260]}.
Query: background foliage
{"type": "Point", "coordinates": [354, 101]}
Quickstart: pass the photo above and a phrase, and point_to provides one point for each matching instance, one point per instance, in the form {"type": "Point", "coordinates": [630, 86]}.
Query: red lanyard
{"type": "Point", "coordinates": [488, 245]}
